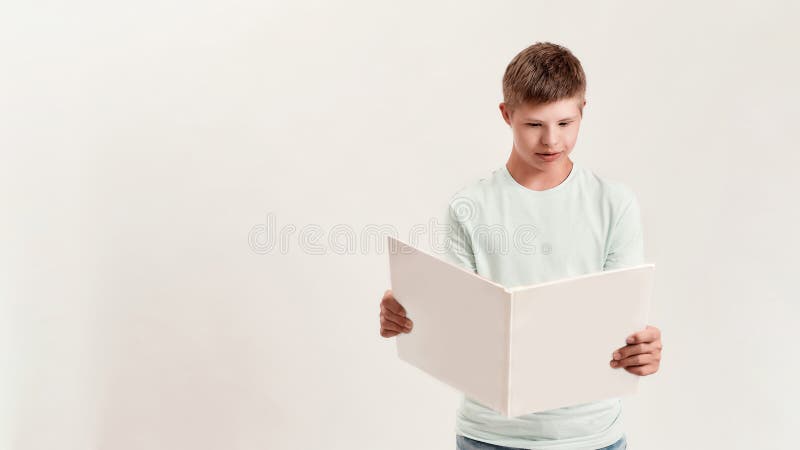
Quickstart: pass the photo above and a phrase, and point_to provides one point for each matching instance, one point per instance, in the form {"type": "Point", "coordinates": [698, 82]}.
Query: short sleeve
{"type": "Point", "coordinates": [458, 244]}
{"type": "Point", "coordinates": [626, 243]}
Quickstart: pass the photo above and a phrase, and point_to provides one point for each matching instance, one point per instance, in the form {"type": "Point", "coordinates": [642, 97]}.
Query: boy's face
{"type": "Point", "coordinates": [541, 129]}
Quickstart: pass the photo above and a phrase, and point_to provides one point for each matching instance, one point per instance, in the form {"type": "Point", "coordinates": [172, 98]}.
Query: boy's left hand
{"type": "Point", "coordinates": [642, 355]}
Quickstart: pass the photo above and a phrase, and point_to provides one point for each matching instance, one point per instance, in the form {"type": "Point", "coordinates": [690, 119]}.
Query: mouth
{"type": "Point", "coordinates": [549, 156]}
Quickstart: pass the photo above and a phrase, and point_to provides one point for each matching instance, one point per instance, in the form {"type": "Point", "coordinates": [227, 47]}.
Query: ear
{"type": "Point", "coordinates": [505, 112]}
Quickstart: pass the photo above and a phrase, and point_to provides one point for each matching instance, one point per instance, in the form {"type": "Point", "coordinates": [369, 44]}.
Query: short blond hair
{"type": "Point", "coordinates": [543, 73]}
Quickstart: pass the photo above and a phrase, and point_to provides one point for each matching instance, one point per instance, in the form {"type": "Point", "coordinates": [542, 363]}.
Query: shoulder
{"type": "Point", "coordinates": [476, 192]}
{"type": "Point", "coordinates": [611, 191]}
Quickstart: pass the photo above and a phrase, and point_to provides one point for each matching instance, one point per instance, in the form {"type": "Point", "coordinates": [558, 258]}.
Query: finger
{"type": "Point", "coordinates": [634, 349]}
{"type": "Point", "coordinates": [390, 303]}
{"type": "Point", "coordinates": [649, 334]}
{"type": "Point", "coordinates": [398, 317]}
{"type": "Point", "coordinates": [647, 369]}
{"type": "Point", "coordinates": [391, 326]}
{"type": "Point", "coordinates": [388, 333]}
{"type": "Point", "coordinates": [400, 321]}
{"type": "Point", "coordinates": [635, 360]}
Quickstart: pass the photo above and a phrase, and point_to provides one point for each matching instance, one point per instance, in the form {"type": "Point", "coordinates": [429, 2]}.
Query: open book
{"type": "Point", "coordinates": [519, 350]}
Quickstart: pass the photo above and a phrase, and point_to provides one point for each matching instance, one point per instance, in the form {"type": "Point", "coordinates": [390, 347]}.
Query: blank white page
{"type": "Point", "coordinates": [563, 335]}
{"type": "Point", "coordinates": [460, 333]}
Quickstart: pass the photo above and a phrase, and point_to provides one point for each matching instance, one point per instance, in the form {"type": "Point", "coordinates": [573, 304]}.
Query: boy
{"type": "Point", "coordinates": [579, 223]}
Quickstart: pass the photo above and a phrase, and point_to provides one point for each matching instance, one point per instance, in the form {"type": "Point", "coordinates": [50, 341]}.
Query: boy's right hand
{"type": "Point", "coordinates": [393, 317]}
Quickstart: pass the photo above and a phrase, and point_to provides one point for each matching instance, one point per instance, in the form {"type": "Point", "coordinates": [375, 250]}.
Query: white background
{"type": "Point", "coordinates": [143, 141]}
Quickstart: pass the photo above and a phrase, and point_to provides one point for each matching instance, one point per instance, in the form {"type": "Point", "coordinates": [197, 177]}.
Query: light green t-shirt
{"type": "Point", "coordinates": [517, 236]}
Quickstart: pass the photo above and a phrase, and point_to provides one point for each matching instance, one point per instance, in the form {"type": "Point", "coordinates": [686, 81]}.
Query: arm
{"type": "Point", "coordinates": [642, 354]}
{"type": "Point", "coordinates": [458, 242]}
{"type": "Point", "coordinates": [625, 245]}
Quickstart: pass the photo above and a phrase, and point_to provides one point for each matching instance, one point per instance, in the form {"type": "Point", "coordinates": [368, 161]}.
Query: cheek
{"type": "Point", "coordinates": [572, 137]}
{"type": "Point", "coordinates": [527, 137]}
{"type": "Point", "coordinates": [568, 138]}
{"type": "Point", "coordinates": [573, 134]}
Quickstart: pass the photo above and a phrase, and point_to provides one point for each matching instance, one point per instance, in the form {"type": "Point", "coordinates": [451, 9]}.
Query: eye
{"type": "Point", "coordinates": [563, 124]}
{"type": "Point", "coordinates": [535, 124]}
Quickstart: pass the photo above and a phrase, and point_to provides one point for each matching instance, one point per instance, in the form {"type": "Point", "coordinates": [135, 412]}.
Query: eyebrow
{"type": "Point", "coordinates": [562, 120]}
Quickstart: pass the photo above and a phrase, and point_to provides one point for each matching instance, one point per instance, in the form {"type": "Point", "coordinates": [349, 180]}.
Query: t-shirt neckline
{"type": "Point", "coordinates": [557, 188]}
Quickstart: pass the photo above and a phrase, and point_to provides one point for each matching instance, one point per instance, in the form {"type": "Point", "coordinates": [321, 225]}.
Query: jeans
{"type": "Point", "coordinates": [465, 443]}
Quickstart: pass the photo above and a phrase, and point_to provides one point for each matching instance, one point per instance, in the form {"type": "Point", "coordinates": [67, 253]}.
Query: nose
{"type": "Point", "coordinates": [549, 137]}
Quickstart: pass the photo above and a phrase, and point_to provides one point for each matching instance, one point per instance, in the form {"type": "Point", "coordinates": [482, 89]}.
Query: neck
{"type": "Point", "coordinates": [535, 178]}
